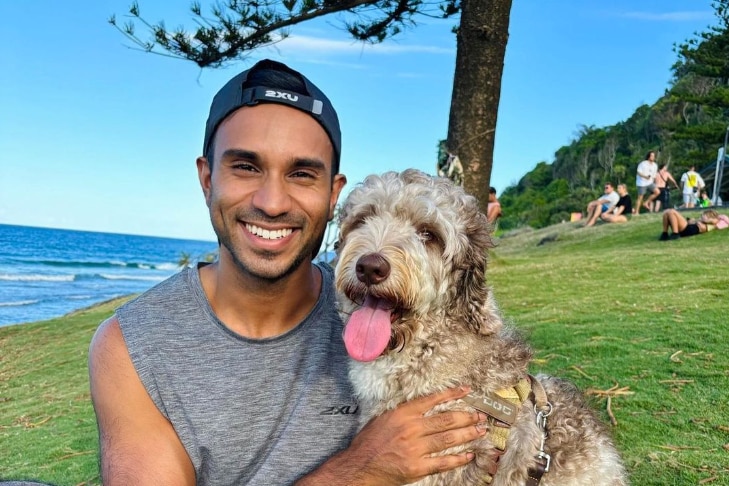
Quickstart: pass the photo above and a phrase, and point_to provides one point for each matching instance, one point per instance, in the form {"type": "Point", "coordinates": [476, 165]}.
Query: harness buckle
{"type": "Point", "coordinates": [547, 459]}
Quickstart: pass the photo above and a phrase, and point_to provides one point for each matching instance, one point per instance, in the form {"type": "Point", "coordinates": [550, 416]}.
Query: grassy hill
{"type": "Point", "coordinates": [631, 319]}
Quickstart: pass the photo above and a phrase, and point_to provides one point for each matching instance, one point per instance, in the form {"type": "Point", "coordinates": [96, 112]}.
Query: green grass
{"type": "Point", "coordinates": [613, 306]}
{"type": "Point", "coordinates": [605, 306]}
{"type": "Point", "coordinates": [47, 424]}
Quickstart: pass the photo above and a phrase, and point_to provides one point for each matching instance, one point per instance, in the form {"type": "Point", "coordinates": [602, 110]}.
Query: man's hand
{"type": "Point", "coordinates": [397, 447]}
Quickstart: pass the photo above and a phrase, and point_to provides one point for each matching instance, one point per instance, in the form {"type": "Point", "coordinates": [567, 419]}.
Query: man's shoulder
{"type": "Point", "coordinates": [165, 294]}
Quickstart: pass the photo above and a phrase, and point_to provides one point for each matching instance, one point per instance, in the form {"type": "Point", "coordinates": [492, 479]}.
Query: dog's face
{"type": "Point", "coordinates": [410, 246]}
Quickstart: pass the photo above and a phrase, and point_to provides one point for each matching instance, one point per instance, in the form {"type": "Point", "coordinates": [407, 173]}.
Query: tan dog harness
{"type": "Point", "coordinates": [502, 409]}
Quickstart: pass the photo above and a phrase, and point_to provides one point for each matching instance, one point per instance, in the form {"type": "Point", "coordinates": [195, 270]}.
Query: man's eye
{"type": "Point", "coordinates": [243, 166]}
{"type": "Point", "coordinates": [302, 174]}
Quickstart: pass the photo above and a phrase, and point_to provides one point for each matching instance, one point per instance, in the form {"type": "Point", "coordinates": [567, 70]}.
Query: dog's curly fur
{"type": "Point", "coordinates": [447, 330]}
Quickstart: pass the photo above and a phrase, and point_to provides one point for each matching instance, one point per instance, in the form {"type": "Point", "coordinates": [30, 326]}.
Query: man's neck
{"type": "Point", "coordinates": [257, 308]}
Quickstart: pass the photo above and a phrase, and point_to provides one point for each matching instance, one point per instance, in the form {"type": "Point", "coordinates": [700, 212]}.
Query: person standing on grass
{"type": "Point", "coordinates": [493, 211]}
{"type": "Point", "coordinates": [663, 176]}
{"type": "Point", "coordinates": [603, 204]}
{"type": "Point", "coordinates": [691, 184]}
{"type": "Point", "coordinates": [235, 372]}
{"type": "Point", "coordinates": [622, 210]}
{"type": "Point", "coordinates": [645, 182]}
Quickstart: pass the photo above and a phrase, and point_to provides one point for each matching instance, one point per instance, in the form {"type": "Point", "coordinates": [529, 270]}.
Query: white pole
{"type": "Point", "coordinates": [719, 174]}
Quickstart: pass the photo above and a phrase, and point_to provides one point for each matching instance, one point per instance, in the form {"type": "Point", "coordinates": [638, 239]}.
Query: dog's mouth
{"type": "Point", "coordinates": [368, 330]}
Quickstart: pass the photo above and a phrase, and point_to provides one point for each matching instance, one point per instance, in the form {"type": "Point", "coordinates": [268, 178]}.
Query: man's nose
{"type": "Point", "coordinates": [272, 196]}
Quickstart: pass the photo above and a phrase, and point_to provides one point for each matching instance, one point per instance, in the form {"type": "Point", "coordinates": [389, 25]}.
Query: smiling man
{"type": "Point", "coordinates": [235, 372]}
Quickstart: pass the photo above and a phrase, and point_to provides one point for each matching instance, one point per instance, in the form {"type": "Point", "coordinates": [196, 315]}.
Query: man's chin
{"type": "Point", "coordinates": [271, 267]}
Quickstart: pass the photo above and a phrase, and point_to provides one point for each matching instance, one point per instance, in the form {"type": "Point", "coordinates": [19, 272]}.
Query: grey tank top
{"type": "Point", "coordinates": [254, 412]}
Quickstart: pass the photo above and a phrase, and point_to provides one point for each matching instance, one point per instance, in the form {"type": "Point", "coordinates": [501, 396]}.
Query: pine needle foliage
{"type": "Point", "coordinates": [231, 29]}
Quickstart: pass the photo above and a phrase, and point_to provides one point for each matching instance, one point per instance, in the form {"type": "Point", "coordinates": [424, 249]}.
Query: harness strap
{"type": "Point", "coordinates": [540, 404]}
{"type": "Point", "coordinates": [540, 395]}
{"type": "Point", "coordinates": [502, 408]}
{"type": "Point", "coordinates": [535, 474]}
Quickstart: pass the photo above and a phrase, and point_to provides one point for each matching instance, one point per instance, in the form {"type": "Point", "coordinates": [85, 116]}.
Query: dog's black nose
{"type": "Point", "coordinates": [372, 269]}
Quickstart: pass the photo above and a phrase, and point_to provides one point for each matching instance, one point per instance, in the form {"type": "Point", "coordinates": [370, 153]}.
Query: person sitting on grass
{"type": "Point", "coordinates": [622, 210]}
{"type": "Point", "coordinates": [681, 227]}
{"type": "Point", "coordinates": [704, 200]}
{"type": "Point", "coordinates": [603, 204]}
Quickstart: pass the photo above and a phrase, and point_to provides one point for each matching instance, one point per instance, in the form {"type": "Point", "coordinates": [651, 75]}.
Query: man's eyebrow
{"type": "Point", "coordinates": [309, 163]}
{"type": "Point", "coordinates": [235, 153]}
{"type": "Point", "coordinates": [298, 162]}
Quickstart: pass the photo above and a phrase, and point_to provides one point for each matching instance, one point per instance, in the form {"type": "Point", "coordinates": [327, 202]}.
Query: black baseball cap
{"type": "Point", "coordinates": [237, 93]}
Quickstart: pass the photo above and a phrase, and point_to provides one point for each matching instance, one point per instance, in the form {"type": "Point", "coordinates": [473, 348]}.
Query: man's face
{"type": "Point", "coordinates": [271, 192]}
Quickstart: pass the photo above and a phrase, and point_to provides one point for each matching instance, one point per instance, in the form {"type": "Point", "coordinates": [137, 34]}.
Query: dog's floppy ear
{"type": "Point", "coordinates": [472, 292]}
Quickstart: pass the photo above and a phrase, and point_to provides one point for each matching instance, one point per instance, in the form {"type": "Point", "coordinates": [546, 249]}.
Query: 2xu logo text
{"type": "Point", "coordinates": [345, 410]}
{"type": "Point", "coordinates": [280, 94]}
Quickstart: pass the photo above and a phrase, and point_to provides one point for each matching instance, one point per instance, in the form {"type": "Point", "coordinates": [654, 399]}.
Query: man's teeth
{"type": "Point", "coordinates": [269, 235]}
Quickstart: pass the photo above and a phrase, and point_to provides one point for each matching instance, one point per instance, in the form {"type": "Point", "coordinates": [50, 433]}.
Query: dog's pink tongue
{"type": "Point", "coordinates": [368, 330]}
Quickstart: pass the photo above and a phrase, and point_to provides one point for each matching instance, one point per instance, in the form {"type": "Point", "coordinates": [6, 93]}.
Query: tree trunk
{"type": "Point", "coordinates": [481, 46]}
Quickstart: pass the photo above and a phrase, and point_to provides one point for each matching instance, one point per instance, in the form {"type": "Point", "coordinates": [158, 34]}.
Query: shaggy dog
{"type": "Point", "coordinates": [420, 319]}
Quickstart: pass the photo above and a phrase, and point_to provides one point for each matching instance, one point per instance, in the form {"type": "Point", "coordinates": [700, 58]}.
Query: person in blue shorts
{"type": "Point", "coordinates": [601, 205]}
{"type": "Point", "coordinates": [622, 210]}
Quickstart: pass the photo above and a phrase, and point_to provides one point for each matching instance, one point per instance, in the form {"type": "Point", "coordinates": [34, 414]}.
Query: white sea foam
{"type": "Point", "coordinates": [167, 266]}
{"type": "Point", "coordinates": [131, 277]}
{"type": "Point", "coordinates": [18, 303]}
{"type": "Point", "coordinates": [36, 278]}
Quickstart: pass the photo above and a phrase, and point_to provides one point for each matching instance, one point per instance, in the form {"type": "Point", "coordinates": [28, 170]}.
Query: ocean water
{"type": "Point", "coordinates": [46, 273]}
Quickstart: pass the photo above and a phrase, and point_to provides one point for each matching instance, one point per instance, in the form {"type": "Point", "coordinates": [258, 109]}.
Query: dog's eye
{"type": "Point", "coordinates": [355, 222]}
{"type": "Point", "coordinates": [426, 235]}
{"type": "Point", "coordinates": [430, 239]}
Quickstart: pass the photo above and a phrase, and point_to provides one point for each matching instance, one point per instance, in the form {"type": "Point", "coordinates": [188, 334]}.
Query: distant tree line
{"type": "Point", "coordinates": [685, 126]}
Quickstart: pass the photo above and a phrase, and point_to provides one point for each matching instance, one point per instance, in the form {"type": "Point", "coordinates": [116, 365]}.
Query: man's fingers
{"type": "Point", "coordinates": [424, 404]}
{"type": "Point", "coordinates": [439, 464]}
{"type": "Point", "coordinates": [406, 444]}
{"type": "Point", "coordinates": [450, 438]}
{"type": "Point", "coordinates": [436, 464]}
{"type": "Point", "coordinates": [442, 421]}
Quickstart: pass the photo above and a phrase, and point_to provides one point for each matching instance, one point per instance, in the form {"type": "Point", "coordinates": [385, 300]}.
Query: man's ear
{"type": "Point", "coordinates": [204, 175]}
{"type": "Point", "coordinates": [340, 180]}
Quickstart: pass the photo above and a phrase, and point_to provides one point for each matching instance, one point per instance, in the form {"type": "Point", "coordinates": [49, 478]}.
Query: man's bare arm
{"type": "Point", "coordinates": [396, 448]}
{"type": "Point", "coordinates": [492, 213]}
{"type": "Point", "coordinates": [138, 445]}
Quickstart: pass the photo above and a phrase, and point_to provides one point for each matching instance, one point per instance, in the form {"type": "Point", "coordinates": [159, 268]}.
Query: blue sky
{"type": "Point", "coordinates": [97, 136]}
